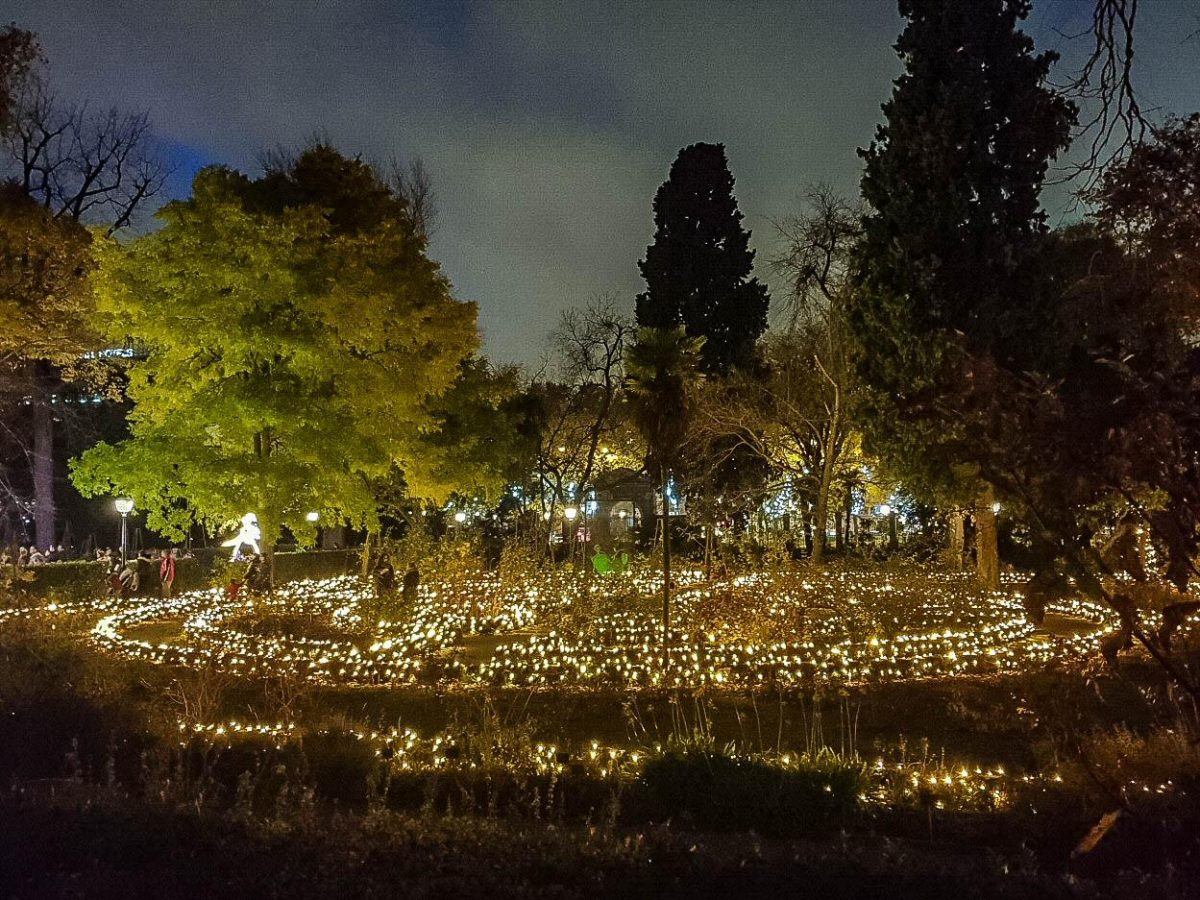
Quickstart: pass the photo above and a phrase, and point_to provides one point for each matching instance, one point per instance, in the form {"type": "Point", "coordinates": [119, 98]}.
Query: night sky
{"type": "Point", "coordinates": [547, 126]}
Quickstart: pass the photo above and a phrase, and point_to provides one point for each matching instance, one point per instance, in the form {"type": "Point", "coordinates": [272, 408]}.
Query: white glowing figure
{"type": "Point", "coordinates": [249, 534]}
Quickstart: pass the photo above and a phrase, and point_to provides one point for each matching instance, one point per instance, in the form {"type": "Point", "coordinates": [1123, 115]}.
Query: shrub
{"type": "Point", "coordinates": [342, 767]}
{"type": "Point", "coordinates": [63, 713]}
{"type": "Point", "coordinates": [725, 792]}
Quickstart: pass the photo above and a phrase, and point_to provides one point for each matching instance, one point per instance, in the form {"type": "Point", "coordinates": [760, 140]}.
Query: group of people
{"type": "Point", "coordinates": [34, 556]}
{"type": "Point", "coordinates": [385, 579]}
{"type": "Point", "coordinates": [127, 580]}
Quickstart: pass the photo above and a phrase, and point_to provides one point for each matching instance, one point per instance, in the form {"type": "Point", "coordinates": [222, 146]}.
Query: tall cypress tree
{"type": "Point", "coordinates": [949, 286]}
{"type": "Point", "coordinates": [953, 178]}
{"type": "Point", "coordinates": [698, 270]}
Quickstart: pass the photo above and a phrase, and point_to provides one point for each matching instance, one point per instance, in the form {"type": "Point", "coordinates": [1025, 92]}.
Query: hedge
{"type": "Point", "coordinates": [77, 580]}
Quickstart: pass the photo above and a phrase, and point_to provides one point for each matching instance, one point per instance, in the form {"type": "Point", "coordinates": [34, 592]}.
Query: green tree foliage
{"type": "Point", "coordinates": [698, 269]}
{"type": "Point", "coordinates": [484, 435]}
{"type": "Point", "coordinates": [44, 294]}
{"type": "Point", "coordinates": [300, 344]}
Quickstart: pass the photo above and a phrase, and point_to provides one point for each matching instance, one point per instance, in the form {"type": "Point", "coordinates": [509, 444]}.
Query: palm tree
{"type": "Point", "coordinates": [662, 374]}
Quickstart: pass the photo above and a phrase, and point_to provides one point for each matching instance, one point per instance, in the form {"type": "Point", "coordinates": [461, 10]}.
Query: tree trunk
{"type": "Point", "coordinates": [893, 538]}
{"type": "Point", "coordinates": [366, 555]}
{"type": "Point", "coordinates": [666, 522]}
{"type": "Point", "coordinates": [43, 456]}
{"type": "Point", "coordinates": [708, 545]}
{"type": "Point", "coordinates": [956, 540]}
{"type": "Point", "coordinates": [821, 517]}
{"type": "Point", "coordinates": [849, 516]}
{"type": "Point", "coordinates": [987, 555]}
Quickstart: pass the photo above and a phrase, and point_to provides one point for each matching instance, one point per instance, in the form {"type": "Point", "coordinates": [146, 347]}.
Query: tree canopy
{"type": "Point", "coordinates": [947, 263]}
{"type": "Point", "coordinates": [297, 341]}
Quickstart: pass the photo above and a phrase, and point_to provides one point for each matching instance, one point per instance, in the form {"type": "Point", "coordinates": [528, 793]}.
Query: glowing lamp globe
{"type": "Point", "coordinates": [312, 516]}
{"type": "Point", "coordinates": [460, 517]}
{"type": "Point", "coordinates": [124, 505]}
{"type": "Point", "coordinates": [570, 512]}
{"type": "Point", "coordinates": [885, 510]}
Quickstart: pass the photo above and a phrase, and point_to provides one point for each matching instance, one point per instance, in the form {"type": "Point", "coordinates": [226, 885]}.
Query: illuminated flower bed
{"type": "Point", "coordinates": [921, 782]}
{"type": "Point", "coordinates": [873, 627]}
{"type": "Point", "coordinates": [852, 628]}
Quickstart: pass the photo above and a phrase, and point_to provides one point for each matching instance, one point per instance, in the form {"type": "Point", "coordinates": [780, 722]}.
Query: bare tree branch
{"type": "Point", "coordinates": [94, 167]}
{"type": "Point", "coordinates": [815, 258]}
{"type": "Point", "coordinates": [413, 183]}
{"type": "Point", "coordinates": [1114, 121]}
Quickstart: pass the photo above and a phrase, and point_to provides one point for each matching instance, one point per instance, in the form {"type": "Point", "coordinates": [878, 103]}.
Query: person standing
{"type": "Point", "coordinates": [166, 572]}
{"type": "Point", "coordinates": [412, 581]}
{"type": "Point", "coordinates": [129, 578]}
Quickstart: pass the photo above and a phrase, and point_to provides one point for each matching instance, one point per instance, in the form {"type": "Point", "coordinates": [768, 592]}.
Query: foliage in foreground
{"type": "Point", "coordinates": [103, 785]}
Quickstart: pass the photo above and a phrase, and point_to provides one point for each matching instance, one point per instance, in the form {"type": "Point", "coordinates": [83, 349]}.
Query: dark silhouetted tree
{"type": "Point", "coordinates": [19, 53]}
{"type": "Point", "coordinates": [946, 271]}
{"type": "Point", "coordinates": [698, 270]}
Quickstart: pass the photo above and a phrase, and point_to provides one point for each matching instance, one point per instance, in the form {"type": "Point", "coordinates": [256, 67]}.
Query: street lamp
{"type": "Point", "coordinates": [569, 514]}
{"type": "Point", "coordinates": [124, 506]}
{"type": "Point", "coordinates": [460, 517]}
{"type": "Point", "coordinates": [313, 516]}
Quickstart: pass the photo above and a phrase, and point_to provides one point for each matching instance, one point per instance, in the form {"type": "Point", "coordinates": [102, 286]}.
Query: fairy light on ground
{"type": "Point", "coordinates": [753, 631]}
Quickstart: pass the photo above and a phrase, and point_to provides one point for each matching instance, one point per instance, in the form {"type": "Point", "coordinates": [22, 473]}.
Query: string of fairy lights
{"type": "Point", "coordinates": [404, 750]}
{"type": "Point", "coordinates": [777, 630]}
{"type": "Point", "coordinates": [923, 781]}
{"type": "Point", "coordinates": [839, 627]}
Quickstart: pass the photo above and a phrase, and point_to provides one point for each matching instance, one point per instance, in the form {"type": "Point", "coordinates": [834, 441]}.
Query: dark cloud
{"type": "Point", "coordinates": [547, 126]}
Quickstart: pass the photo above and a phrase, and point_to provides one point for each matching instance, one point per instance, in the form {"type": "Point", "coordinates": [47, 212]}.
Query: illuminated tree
{"type": "Point", "coordinates": [74, 166]}
{"type": "Point", "coordinates": [298, 341]}
{"type": "Point", "coordinates": [582, 421]}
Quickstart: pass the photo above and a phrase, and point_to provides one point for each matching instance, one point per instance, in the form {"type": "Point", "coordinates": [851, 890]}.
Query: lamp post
{"type": "Point", "coordinates": [890, 515]}
{"type": "Point", "coordinates": [314, 517]}
{"type": "Point", "coordinates": [124, 506]}
{"type": "Point", "coordinates": [569, 514]}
